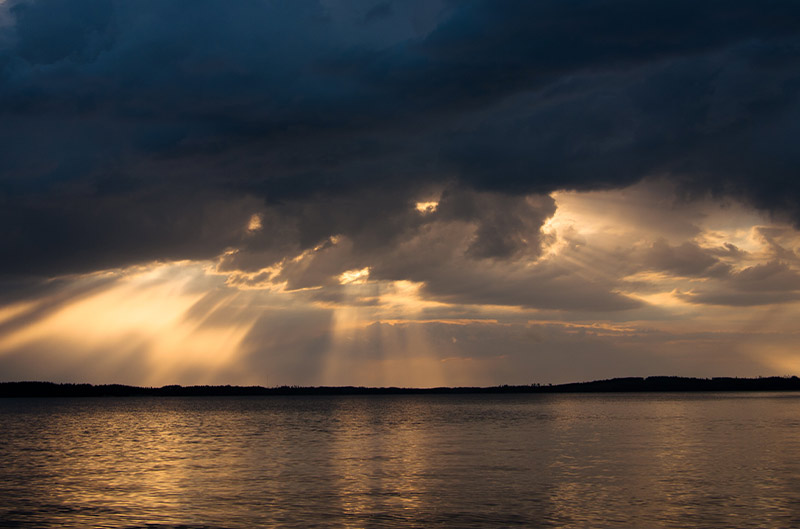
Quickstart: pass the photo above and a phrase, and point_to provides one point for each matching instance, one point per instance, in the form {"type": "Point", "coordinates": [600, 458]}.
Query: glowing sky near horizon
{"type": "Point", "coordinates": [712, 293]}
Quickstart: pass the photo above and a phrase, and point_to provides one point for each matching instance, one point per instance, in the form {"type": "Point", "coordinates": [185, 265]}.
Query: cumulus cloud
{"type": "Point", "coordinates": [472, 248]}
{"type": "Point", "coordinates": [688, 259]}
{"type": "Point", "coordinates": [762, 284]}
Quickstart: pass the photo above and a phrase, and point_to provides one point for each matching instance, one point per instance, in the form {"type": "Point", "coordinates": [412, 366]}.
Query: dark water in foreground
{"type": "Point", "coordinates": [657, 460]}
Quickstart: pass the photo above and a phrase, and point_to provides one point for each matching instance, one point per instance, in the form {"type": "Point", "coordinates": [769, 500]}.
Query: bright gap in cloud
{"type": "Point", "coordinates": [354, 277]}
{"type": "Point", "coordinates": [254, 224]}
{"type": "Point", "coordinates": [427, 207]}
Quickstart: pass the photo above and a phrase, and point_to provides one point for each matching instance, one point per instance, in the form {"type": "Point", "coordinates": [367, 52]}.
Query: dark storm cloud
{"type": "Point", "coordinates": [475, 248]}
{"type": "Point", "coordinates": [688, 259]}
{"type": "Point", "coordinates": [153, 130]}
{"type": "Point", "coordinates": [761, 284]}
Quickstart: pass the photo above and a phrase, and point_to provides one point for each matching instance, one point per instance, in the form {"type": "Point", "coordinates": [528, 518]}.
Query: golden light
{"type": "Point", "coordinates": [145, 311]}
{"type": "Point", "coordinates": [354, 277]}
{"type": "Point", "coordinates": [17, 309]}
{"type": "Point", "coordinates": [255, 223]}
{"type": "Point", "coordinates": [189, 322]}
{"type": "Point", "coordinates": [427, 207]}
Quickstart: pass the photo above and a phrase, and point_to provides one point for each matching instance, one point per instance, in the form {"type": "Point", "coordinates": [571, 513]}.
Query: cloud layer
{"type": "Point", "coordinates": [154, 131]}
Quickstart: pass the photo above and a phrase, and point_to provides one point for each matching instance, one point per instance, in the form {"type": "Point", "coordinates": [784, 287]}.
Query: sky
{"type": "Point", "coordinates": [406, 193]}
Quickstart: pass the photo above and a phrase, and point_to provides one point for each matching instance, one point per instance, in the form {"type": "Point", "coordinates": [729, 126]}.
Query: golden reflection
{"type": "Point", "coordinates": [380, 469]}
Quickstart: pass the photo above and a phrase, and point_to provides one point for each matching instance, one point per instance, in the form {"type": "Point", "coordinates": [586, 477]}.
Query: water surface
{"type": "Point", "coordinates": [598, 460]}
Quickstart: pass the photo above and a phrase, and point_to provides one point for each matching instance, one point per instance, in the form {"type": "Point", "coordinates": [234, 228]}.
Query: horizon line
{"type": "Point", "coordinates": [658, 383]}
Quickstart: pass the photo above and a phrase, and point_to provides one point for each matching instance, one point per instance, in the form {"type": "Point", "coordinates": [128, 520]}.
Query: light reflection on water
{"type": "Point", "coordinates": [678, 460]}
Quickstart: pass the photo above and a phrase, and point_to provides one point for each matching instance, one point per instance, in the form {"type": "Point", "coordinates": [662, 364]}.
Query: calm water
{"type": "Point", "coordinates": [660, 460]}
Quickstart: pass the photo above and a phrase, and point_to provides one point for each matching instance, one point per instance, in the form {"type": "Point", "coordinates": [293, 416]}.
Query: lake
{"type": "Point", "coordinates": [574, 460]}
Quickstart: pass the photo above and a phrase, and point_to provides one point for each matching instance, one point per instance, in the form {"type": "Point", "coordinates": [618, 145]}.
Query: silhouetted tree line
{"type": "Point", "coordinates": [614, 385]}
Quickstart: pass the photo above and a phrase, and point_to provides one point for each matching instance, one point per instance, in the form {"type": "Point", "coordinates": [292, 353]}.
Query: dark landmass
{"type": "Point", "coordinates": [615, 385]}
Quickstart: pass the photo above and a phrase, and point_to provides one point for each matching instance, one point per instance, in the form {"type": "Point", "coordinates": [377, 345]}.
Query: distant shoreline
{"type": "Point", "coordinates": [615, 385]}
